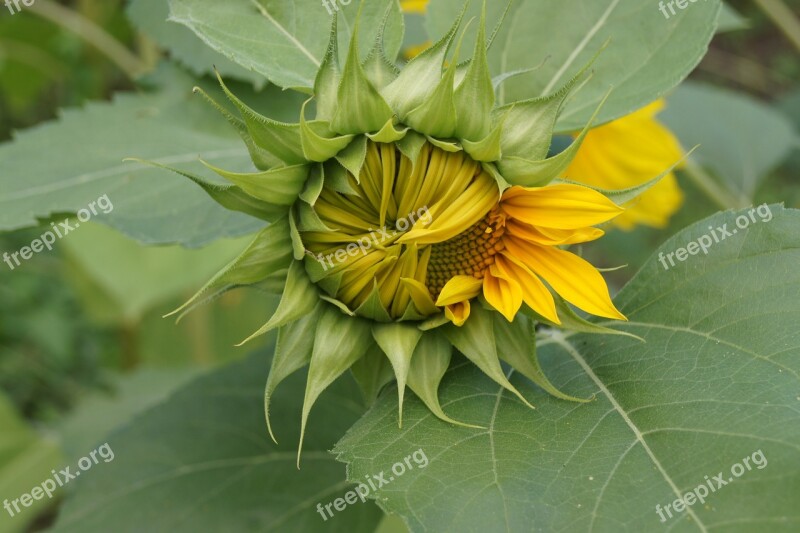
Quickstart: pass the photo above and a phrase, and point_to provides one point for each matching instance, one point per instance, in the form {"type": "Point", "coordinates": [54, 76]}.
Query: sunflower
{"type": "Point", "coordinates": [628, 152]}
{"type": "Point", "coordinates": [411, 218]}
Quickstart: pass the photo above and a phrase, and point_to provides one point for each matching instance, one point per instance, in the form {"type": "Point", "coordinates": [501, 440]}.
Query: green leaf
{"type": "Point", "coordinates": [96, 416]}
{"type": "Point", "coordinates": [84, 160]}
{"type": "Point", "coordinates": [203, 461]}
{"type": "Point", "coordinates": [25, 461]}
{"type": "Point", "coordinates": [741, 139]}
{"type": "Point", "coordinates": [647, 54]}
{"type": "Point", "coordinates": [150, 16]}
{"type": "Point", "coordinates": [715, 382]}
{"type": "Point", "coordinates": [282, 40]}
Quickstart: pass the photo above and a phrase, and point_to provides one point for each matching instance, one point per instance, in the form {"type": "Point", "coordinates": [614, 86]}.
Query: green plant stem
{"type": "Point", "coordinates": [783, 17]}
{"type": "Point", "coordinates": [711, 188]}
{"type": "Point", "coordinates": [93, 34]}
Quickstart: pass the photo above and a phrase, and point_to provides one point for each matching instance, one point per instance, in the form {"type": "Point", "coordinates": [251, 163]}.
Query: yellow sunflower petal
{"type": "Point", "coordinates": [502, 292]}
{"type": "Point", "coordinates": [420, 296]}
{"type": "Point", "coordinates": [457, 313]}
{"type": "Point", "coordinates": [552, 236]}
{"type": "Point", "coordinates": [534, 293]}
{"type": "Point", "coordinates": [576, 280]}
{"type": "Point", "coordinates": [562, 206]}
{"type": "Point", "coordinates": [414, 6]}
{"type": "Point", "coordinates": [459, 289]}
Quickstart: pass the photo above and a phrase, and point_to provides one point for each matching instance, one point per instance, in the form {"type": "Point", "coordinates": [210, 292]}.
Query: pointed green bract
{"type": "Point", "coordinates": [372, 372]}
{"type": "Point", "coordinates": [475, 339]}
{"type": "Point", "coordinates": [398, 342]}
{"type": "Point", "coordinates": [420, 77]}
{"type": "Point", "coordinates": [261, 158]}
{"type": "Point", "coordinates": [516, 345]}
{"type": "Point", "coordinates": [228, 196]}
{"type": "Point", "coordinates": [474, 97]}
{"type": "Point", "coordinates": [520, 171]}
{"type": "Point", "coordinates": [292, 352]}
{"type": "Point", "coordinates": [278, 138]}
{"type": "Point", "coordinates": [326, 85]}
{"type": "Point", "coordinates": [487, 149]}
{"type": "Point", "coordinates": [338, 343]}
{"type": "Point", "coordinates": [267, 254]}
{"type": "Point", "coordinates": [428, 366]}
{"type": "Point", "coordinates": [379, 69]}
{"type": "Point", "coordinates": [319, 142]}
{"type": "Point", "coordinates": [279, 186]}
{"type": "Point", "coordinates": [373, 308]}
{"type": "Point", "coordinates": [352, 158]}
{"type": "Point", "coordinates": [360, 107]}
{"type": "Point", "coordinates": [299, 298]}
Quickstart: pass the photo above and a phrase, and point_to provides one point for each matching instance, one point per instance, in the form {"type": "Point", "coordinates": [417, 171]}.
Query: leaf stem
{"type": "Point", "coordinates": [93, 34]}
{"type": "Point", "coordinates": [783, 18]}
{"type": "Point", "coordinates": [711, 188]}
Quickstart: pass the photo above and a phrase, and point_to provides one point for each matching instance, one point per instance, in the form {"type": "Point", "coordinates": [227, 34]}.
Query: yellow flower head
{"type": "Point", "coordinates": [628, 152]}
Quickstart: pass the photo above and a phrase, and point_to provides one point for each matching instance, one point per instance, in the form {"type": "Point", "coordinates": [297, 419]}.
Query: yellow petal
{"type": "Point", "coordinates": [414, 6]}
{"type": "Point", "coordinates": [534, 293]}
{"type": "Point", "coordinates": [552, 236]}
{"type": "Point", "coordinates": [456, 217]}
{"type": "Point", "coordinates": [502, 292]}
{"type": "Point", "coordinates": [457, 313]}
{"type": "Point", "coordinates": [562, 206]}
{"type": "Point", "coordinates": [459, 289]}
{"type": "Point", "coordinates": [573, 278]}
{"type": "Point", "coordinates": [420, 296]}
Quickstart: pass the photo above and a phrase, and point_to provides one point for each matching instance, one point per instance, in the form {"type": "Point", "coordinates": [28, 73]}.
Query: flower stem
{"type": "Point", "coordinates": [93, 34]}
{"type": "Point", "coordinates": [711, 188]}
{"type": "Point", "coordinates": [783, 17]}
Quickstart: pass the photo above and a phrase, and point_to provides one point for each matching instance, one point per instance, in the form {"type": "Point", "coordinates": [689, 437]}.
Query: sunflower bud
{"type": "Point", "coordinates": [412, 215]}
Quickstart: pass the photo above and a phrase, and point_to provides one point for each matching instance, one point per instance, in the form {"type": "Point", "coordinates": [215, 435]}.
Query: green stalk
{"type": "Point", "coordinates": [93, 34]}
{"type": "Point", "coordinates": [783, 17]}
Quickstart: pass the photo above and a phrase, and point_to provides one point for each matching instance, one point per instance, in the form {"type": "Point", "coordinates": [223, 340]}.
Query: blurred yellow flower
{"type": "Point", "coordinates": [628, 152]}
{"type": "Point", "coordinates": [414, 6]}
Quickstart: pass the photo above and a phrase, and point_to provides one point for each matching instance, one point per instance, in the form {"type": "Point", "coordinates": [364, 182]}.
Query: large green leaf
{"type": "Point", "coordinates": [83, 428]}
{"type": "Point", "coordinates": [203, 461]}
{"type": "Point", "coordinates": [150, 16]}
{"type": "Point", "coordinates": [284, 40]}
{"type": "Point", "coordinates": [715, 382]}
{"type": "Point", "coordinates": [62, 167]}
{"type": "Point", "coordinates": [741, 139]}
{"type": "Point", "coordinates": [646, 55]}
{"type": "Point", "coordinates": [25, 461]}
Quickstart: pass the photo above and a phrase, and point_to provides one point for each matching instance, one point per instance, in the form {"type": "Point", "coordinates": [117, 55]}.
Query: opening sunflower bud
{"type": "Point", "coordinates": [411, 216]}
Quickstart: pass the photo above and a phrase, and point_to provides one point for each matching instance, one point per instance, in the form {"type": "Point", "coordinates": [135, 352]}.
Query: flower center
{"type": "Point", "coordinates": [468, 254]}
